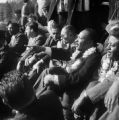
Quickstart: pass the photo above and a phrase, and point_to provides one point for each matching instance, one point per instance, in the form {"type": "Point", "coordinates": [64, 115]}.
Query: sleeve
{"type": "Point", "coordinates": [46, 58]}
{"type": "Point", "coordinates": [61, 54]}
{"type": "Point", "coordinates": [43, 56]}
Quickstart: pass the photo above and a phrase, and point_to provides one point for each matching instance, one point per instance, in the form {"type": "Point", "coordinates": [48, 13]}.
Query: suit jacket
{"type": "Point", "coordinates": [83, 74]}
{"type": "Point", "coordinates": [61, 54]}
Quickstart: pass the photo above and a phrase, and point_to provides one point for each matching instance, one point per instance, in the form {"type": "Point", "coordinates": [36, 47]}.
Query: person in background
{"type": "Point", "coordinates": [17, 15]}
{"type": "Point", "coordinates": [32, 32]}
{"type": "Point", "coordinates": [54, 34]}
{"type": "Point", "coordinates": [60, 11]}
{"type": "Point", "coordinates": [26, 10]}
{"type": "Point", "coordinates": [8, 34]}
{"type": "Point", "coordinates": [42, 29]}
{"type": "Point", "coordinates": [18, 39]}
{"type": "Point", "coordinates": [34, 39]}
{"type": "Point", "coordinates": [12, 52]}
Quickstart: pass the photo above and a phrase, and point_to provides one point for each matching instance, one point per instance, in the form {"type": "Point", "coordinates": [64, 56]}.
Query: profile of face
{"type": "Point", "coordinates": [13, 28]}
{"type": "Point", "coordinates": [113, 46]}
{"type": "Point", "coordinates": [66, 36]}
{"type": "Point", "coordinates": [83, 40]}
{"type": "Point", "coordinates": [55, 33]}
{"type": "Point", "coordinates": [10, 29]}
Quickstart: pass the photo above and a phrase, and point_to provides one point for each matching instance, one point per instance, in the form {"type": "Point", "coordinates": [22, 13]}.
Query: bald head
{"type": "Point", "coordinates": [86, 38]}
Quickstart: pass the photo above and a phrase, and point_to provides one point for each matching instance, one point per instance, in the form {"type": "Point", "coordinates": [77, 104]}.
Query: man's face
{"type": "Point", "coordinates": [55, 33]}
{"type": "Point", "coordinates": [66, 36]}
{"type": "Point", "coordinates": [10, 29]}
{"type": "Point", "coordinates": [113, 46]}
{"type": "Point", "coordinates": [82, 40]}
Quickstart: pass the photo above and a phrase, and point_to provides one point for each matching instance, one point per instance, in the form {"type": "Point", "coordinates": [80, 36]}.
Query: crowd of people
{"type": "Point", "coordinates": [51, 69]}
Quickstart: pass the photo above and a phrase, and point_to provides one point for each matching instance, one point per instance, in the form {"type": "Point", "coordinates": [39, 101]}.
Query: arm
{"type": "Point", "coordinates": [60, 54]}
{"type": "Point", "coordinates": [112, 95]}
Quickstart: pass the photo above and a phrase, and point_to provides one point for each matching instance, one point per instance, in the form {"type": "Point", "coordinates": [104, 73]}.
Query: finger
{"type": "Point", "coordinates": [105, 101]}
{"type": "Point", "coordinates": [110, 108]}
{"type": "Point", "coordinates": [109, 104]}
{"type": "Point", "coordinates": [112, 105]}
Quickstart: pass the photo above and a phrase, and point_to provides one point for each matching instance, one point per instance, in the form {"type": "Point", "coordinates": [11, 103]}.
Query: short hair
{"type": "Point", "coordinates": [33, 25]}
{"type": "Point", "coordinates": [14, 86]}
{"type": "Point", "coordinates": [70, 28]}
{"type": "Point", "coordinates": [52, 25]}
